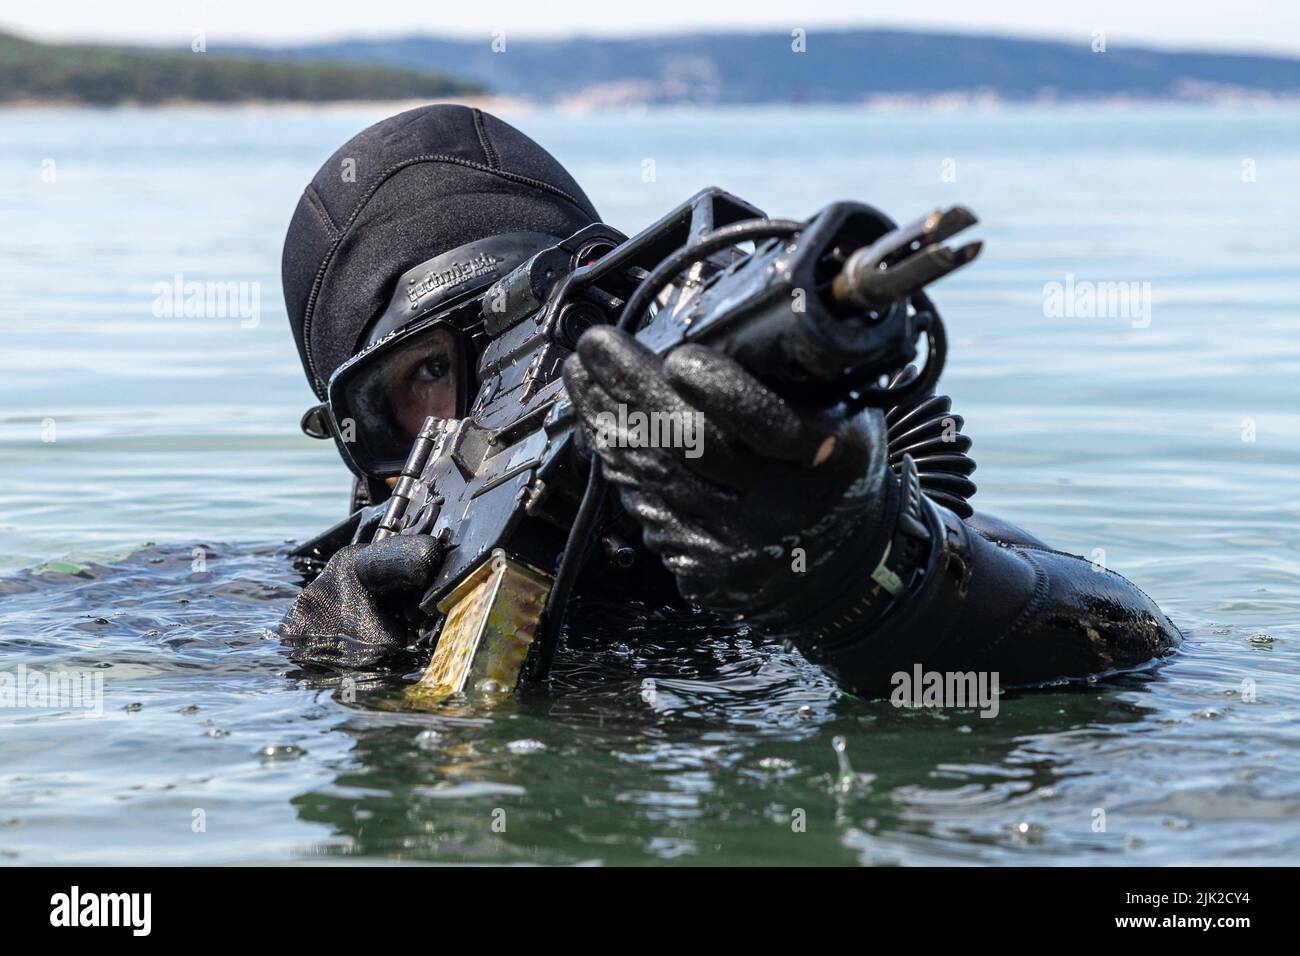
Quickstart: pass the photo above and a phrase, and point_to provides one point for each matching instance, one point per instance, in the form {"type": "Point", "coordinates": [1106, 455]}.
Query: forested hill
{"type": "Point", "coordinates": [108, 75]}
{"type": "Point", "coordinates": [819, 66]}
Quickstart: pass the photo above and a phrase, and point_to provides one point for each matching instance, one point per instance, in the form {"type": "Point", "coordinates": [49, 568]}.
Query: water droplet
{"type": "Point", "coordinates": [1026, 832]}
{"type": "Point", "coordinates": [280, 752]}
{"type": "Point", "coordinates": [525, 746]}
{"type": "Point", "coordinates": [844, 781]}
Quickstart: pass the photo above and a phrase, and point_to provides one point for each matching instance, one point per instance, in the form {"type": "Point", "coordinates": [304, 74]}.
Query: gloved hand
{"type": "Point", "coordinates": [361, 610]}
{"type": "Point", "coordinates": [783, 513]}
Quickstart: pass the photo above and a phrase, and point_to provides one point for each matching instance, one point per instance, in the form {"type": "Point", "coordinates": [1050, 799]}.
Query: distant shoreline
{"type": "Point", "coordinates": [940, 103]}
{"type": "Point", "coordinates": [490, 103]}
{"type": "Point", "coordinates": [869, 69]}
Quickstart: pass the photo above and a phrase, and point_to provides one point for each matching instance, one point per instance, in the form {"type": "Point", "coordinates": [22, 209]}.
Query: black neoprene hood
{"type": "Point", "coordinates": [397, 194]}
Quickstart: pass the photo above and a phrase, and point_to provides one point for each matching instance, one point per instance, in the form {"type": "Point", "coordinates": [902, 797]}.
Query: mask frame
{"type": "Point", "coordinates": [361, 419]}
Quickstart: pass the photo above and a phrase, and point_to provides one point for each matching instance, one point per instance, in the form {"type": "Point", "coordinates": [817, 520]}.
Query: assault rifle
{"type": "Point", "coordinates": [825, 311]}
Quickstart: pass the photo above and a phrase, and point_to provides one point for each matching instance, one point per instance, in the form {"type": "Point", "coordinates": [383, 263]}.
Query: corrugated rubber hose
{"type": "Point", "coordinates": [927, 429]}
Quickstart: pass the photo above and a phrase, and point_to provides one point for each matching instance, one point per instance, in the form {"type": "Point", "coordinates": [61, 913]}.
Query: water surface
{"type": "Point", "coordinates": [1167, 451]}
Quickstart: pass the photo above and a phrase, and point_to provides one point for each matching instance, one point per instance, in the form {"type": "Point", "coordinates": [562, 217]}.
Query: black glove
{"type": "Point", "coordinates": [781, 515]}
{"type": "Point", "coordinates": [362, 609]}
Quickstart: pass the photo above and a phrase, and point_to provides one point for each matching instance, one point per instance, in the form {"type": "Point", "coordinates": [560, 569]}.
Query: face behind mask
{"type": "Point", "coordinates": [418, 356]}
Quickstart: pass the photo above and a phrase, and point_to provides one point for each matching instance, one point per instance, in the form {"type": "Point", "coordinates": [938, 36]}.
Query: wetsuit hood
{"type": "Point", "coordinates": [397, 194]}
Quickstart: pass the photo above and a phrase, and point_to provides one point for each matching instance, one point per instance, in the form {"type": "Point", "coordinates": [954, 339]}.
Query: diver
{"type": "Point", "coordinates": [894, 567]}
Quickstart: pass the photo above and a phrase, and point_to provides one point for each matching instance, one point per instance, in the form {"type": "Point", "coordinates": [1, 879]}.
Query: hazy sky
{"type": "Point", "coordinates": [1209, 24]}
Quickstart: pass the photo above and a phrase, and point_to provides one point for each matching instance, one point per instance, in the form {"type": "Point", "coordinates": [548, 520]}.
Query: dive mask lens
{"type": "Point", "coordinates": [418, 354]}
{"type": "Point", "coordinates": [379, 399]}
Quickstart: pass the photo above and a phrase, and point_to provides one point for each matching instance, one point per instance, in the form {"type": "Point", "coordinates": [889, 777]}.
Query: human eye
{"type": "Point", "coordinates": [431, 368]}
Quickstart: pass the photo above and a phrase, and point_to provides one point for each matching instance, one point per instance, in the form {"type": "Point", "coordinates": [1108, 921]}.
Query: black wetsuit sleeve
{"type": "Point", "coordinates": [1011, 607]}
{"type": "Point", "coordinates": [957, 590]}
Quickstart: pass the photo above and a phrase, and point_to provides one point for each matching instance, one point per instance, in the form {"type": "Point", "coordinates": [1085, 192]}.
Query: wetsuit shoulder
{"type": "Point", "coordinates": [1022, 610]}
{"type": "Point", "coordinates": [1004, 532]}
{"type": "Point", "coordinates": [1079, 619]}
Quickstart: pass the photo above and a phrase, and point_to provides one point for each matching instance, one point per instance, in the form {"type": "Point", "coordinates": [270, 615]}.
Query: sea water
{"type": "Point", "coordinates": [1146, 420]}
